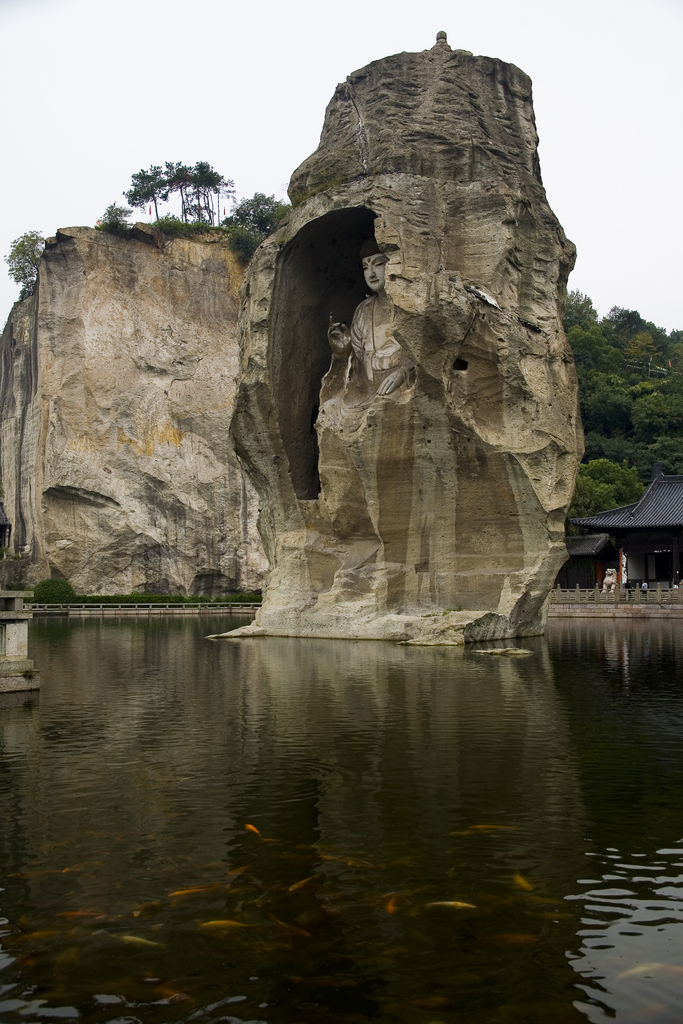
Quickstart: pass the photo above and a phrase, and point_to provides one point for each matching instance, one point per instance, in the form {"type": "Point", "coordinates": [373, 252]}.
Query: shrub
{"type": "Point", "coordinates": [252, 221]}
{"type": "Point", "coordinates": [54, 592]}
{"type": "Point", "coordinates": [24, 259]}
{"type": "Point", "coordinates": [244, 243]}
{"type": "Point", "coordinates": [113, 220]}
{"type": "Point", "coordinates": [177, 228]}
{"type": "Point", "coordinates": [261, 214]}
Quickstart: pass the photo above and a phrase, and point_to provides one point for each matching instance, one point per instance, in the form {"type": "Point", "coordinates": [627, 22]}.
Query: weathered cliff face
{"type": "Point", "coordinates": [418, 456]}
{"type": "Point", "coordinates": [117, 383]}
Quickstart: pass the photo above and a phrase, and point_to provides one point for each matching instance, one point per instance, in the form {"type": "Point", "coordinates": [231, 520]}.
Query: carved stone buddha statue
{"type": "Point", "coordinates": [373, 352]}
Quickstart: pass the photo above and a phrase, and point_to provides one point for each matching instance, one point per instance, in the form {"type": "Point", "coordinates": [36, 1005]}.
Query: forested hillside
{"type": "Point", "coordinates": [631, 387]}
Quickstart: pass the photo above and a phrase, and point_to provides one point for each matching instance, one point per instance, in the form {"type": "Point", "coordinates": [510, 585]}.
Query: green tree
{"type": "Point", "coordinates": [627, 323]}
{"type": "Point", "coordinates": [606, 404]}
{"type": "Point", "coordinates": [179, 180]}
{"type": "Point", "coordinates": [657, 415]}
{"type": "Point", "coordinates": [642, 349]}
{"type": "Point", "coordinates": [208, 186]}
{"type": "Point", "coordinates": [601, 485]}
{"type": "Point", "coordinates": [260, 214]}
{"type": "Point", "coordinates": [579, 311]}
{"type": "Point", "coordinates": [114, 220]}
{"type": "Point", "coordinates": [24, 259]}
{"type": "Point", "coordinates": [252, 221]}
{"type": "Point", "coordinates": [200, 189]}
{"type": "Point", "coordinates": [631, 387]}
{"type": "Point", "coordinates": [148, 187]}
{"type": "Point", "coordinates": [592, 350]}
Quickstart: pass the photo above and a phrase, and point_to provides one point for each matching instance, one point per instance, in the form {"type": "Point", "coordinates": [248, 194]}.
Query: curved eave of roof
{"type": "Point", "coordinates": [613, 517]}
{"type": "Point", "coordinates": [588, 545]}
{"type": "Point", "coordinates": [660, 508]}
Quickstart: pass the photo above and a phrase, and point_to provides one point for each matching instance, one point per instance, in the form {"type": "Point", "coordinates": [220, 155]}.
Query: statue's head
{"type": "Point", "coordinates": [374, 263]}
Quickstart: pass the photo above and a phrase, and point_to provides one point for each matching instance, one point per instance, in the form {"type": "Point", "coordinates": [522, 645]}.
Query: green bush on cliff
{"type": "Point", "coordinates": [54, 591]}
{"type": "Point", "coordinates": [244, 243]}
{"type": "Point", "coordinates": [24, 259]}
{"type": "Point", "coordinates": [174, 227]}
{"type": "Point", "coordinates": [252, 221]}
{"type": "Point", "coordinates": [114, 221]}
{"type": "Point", "coordinates": [260, 214]}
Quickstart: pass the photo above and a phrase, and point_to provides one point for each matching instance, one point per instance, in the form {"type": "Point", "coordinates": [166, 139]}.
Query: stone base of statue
{"type": "Point", "coordinates": [407, 402]}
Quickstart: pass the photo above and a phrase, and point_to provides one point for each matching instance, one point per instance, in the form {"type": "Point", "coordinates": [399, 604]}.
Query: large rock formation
{"type": "Point", "coordinates": [415, 470]}
{"type": "Point", "coordinates": [117, 383]}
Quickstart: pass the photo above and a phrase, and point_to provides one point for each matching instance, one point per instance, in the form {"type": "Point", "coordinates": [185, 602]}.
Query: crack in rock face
{"type": "Point", "coordinates": [407, 406]}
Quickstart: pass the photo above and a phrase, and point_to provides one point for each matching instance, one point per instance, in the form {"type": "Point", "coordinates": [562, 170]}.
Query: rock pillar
{"type": "Point", "coordinates": [407, 404]}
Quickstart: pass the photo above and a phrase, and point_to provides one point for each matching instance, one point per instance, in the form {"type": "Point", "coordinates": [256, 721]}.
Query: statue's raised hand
{"type": "Point", "coordinates": [339, 337]}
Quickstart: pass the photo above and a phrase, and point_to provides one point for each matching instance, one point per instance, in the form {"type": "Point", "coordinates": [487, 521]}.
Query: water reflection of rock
{"type": "Point", "coordinates": [369, 764]}
{"type": "Point", "coordinates": [381, 739]}
{"type": "Point", "coordinates": [440, 739]}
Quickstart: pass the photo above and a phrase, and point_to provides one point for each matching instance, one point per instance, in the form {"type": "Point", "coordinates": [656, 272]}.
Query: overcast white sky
{"type": "Point", "coordinates": [93, 90]}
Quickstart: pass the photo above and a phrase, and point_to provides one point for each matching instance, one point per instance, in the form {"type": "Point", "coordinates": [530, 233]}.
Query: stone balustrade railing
{"type": "Point", "coordinates": [176, 608]}
{"type": "Point", "coordinates": [594, 595]}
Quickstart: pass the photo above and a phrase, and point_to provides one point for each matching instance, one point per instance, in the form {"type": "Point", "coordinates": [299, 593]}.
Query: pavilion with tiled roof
{"type": "Point", "coordinates": [649, 533]}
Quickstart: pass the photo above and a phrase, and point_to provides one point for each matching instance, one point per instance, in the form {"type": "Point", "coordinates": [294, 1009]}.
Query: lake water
{"type": "Point", "coordinates": [442, 835]}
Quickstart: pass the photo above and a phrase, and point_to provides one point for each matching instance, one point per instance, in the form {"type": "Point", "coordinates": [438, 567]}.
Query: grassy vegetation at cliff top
{"type": "Point", "coordinates": [176, 228]}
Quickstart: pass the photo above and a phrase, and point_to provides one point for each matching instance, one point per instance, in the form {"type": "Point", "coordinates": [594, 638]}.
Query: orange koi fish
{"type": "Point", "coordinates": [290, 929]}
{"type": "Point", "coordinates": [494, 828]}
{"type": "Point", "coordinates": [347, 860]}
{"type": "Point", "coordinates": [224, 924]}
{"type": "Point", "coordinates": [391, 907]}
{"type": "Point", "coordinates": [452, 903]}
{"type": "Point", "coordinates": [252, 828]}
{"type": "Point", "coordinates": [197, 888]}
{"type": "Point", "coordinates": [137, 940]}
{"type": "Point", "coordinates": [301, 884]}
{"type": "Point", "coordinates": [522, 883]}
{"type": "Point", "coordinates": [69, 914]}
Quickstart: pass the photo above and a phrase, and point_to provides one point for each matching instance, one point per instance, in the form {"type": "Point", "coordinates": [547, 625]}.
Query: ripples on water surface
{"type": "Point", "coordinates": [543, 794]}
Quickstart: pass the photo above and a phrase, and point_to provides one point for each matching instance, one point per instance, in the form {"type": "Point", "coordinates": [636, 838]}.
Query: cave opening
{"type": "Point", "coordinates": [319, 273]}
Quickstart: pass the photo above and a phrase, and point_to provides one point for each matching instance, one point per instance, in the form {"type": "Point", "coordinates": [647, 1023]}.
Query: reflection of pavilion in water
{"type": "Point", "coordinates": [649, 533]}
